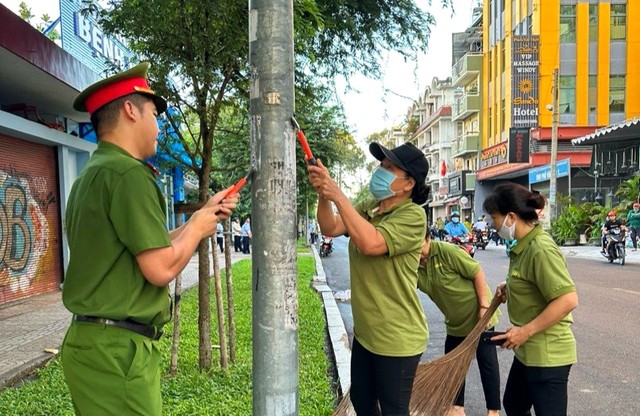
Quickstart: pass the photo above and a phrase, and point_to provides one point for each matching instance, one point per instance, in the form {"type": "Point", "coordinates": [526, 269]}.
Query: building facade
{"type": "Point", "coordinates": [594, 47]}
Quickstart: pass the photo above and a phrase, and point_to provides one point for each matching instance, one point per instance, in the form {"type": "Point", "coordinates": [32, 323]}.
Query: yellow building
{"type": "Point", "coordinates": [595, 45]}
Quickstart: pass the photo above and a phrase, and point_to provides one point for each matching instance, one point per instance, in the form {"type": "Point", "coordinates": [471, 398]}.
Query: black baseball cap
{"type": "Point", "coordinates": [406, 156]}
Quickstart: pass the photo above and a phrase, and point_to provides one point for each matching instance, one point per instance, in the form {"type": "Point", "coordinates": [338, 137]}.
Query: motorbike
{"type": "Point", "coordinates": [464, 243]}
{"type": "Point", "coordinates": [326, 246]}
{"type": "Point", "coordinates": [480, 239]}
{"type": "Point", "coordinates": [615, 246]}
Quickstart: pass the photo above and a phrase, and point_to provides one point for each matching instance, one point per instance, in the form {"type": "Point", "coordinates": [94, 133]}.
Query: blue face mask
{"type": "Point", "coordinates": [380, 183]}
{"type": "Point", "coordinates": [455, 220]}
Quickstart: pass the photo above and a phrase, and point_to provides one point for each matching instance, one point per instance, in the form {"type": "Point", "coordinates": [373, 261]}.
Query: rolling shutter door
{"type": "Point", "coordinates": [30, 229]}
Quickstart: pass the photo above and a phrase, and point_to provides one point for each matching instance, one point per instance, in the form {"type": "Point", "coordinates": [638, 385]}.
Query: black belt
{"type": "Point", "coordinates": [142, 329]}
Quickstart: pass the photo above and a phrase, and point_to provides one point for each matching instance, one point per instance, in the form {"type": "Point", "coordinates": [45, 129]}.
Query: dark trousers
{"type": "Point", "coordinates": [544, 388]}
{"type": "Point", "coordinates": [245, 245]}
{"type": "Point", "coordinates": [634, 236]}
{"type": "Point", "coordinates": [489, 371]}
{"type": "Point", "coordinates": [220, 241]}
{"type": "Point", "coordinates": [237, 243]}
{"type": "Point", "coordinates": [378, 379]}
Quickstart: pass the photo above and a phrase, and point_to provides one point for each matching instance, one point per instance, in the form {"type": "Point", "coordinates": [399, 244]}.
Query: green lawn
{"type": "Point", "coordinates": [193, 393]}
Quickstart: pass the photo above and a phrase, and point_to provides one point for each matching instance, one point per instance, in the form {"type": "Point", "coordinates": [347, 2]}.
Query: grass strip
{"type": "Point", "coordinates": [191, 392]}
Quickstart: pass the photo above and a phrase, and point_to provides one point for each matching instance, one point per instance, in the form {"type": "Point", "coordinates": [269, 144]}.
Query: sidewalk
{"type": "Point", "coordinates": [40, 322]}
{"type": "Point", "coordinates": [593, 252]}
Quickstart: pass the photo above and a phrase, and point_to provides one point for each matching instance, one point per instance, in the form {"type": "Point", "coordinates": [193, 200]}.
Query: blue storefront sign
{"type": "Point", "coordinates": [87, 42]}
{"type": "Point", "coordinates": [543, 173]}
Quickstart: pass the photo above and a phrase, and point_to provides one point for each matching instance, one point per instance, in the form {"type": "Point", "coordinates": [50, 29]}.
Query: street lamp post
{"type": "Point", "coordinates": [554, 148]}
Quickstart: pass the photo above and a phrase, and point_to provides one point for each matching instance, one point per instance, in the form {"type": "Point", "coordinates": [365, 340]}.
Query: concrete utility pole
{"type": "Point", "coordinates": [554, 148]}
{"type": "Point", "coordinates": [273, 209]}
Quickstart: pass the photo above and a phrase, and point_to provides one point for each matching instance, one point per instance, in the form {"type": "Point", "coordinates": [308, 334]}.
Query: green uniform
{"type": "Point", "coordinates": [387, 314]}
{"type": "Point", "coordinates": [115, 211]}
{"type": "Point", "coordinates": [633, 219]}
{"type": "Point", "coordinates": [448, 279]}
{"type": "Point", "coordinates": [537, 275]}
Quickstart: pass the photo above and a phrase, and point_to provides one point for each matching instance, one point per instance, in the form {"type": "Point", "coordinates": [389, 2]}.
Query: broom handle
{"type": "Point", "coordinates": [482, 323]}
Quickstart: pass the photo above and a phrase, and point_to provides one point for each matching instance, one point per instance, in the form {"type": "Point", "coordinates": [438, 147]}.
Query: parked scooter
{"type": "Point", "coordinates": [480, 239]}
{"type": "Point", "coordinates": [615, 246]}
{"type": "Point", "coordinates": [326, 246]}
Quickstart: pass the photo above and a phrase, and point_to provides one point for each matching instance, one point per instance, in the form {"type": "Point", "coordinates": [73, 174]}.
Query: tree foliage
{"type": "Point", "coordinates": [24, 11]}
{"type": "Point", "coordinates": [199, 54]}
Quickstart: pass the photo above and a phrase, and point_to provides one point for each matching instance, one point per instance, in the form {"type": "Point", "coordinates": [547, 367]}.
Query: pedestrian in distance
{"type": "Point", "coordinates": [633, 222]}
{"type": "Point", "coordinates": [121, 256]}
{"type": "Point", "coordinates": [245, 231]}
{"type": "Point", "coordinates": [220, 237]}
{"type": "Point", "coordinates": [237, 234]}
{"type": "Point", "coordinates": [456, 283]}
{"type": "Point", "coordinates": [386, 234]}
{"type": "Point", "coordinates": [540, 296]}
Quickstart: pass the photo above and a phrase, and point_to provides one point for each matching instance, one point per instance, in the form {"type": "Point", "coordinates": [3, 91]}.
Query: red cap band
{"type": "Point", "coordinates": [114, 91]}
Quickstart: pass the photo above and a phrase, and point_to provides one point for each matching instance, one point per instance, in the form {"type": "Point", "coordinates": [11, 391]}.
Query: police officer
{"type": "Point", "coordinates": [122, 257]}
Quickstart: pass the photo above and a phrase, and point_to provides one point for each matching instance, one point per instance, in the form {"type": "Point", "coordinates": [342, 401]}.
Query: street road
{"type": "Point", "coordinates": [606, 378]}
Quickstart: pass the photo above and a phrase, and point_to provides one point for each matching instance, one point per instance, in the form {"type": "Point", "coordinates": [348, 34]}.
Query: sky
{"type": "Point", "coordinates": [368, 107]}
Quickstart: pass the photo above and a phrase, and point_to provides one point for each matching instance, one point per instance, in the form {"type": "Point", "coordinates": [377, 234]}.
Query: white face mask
{"type": "Point", "coordinates": [507, 233]}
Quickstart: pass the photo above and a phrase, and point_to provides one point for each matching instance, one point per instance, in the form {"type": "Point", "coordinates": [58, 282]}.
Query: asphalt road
{"type": "Point", "coordinates": [606, 378]}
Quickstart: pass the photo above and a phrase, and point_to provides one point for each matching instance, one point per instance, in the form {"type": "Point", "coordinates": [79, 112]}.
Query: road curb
{"type": "Point", "coordinates": [337, 331]}
{"type": "Point", "coordinates": [18, 374]}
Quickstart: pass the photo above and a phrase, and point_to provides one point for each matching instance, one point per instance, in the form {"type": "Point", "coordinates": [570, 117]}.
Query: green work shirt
{"type": "Point", "coordinates": [115, 211]}
{"type": "Point", "coordinates": [633, 219]}
{"type": "Point", "coordinates": [537, 275]}
{"type": "Point", "coordinates": [447, 277]}
{"type": "Point", "coordinates": [387, 313]}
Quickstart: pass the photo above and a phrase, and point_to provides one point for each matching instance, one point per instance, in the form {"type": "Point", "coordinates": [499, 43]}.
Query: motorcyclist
{"type": "Point", "coordinates": [610, 224]}
{"type": "Point", "coordinates": [455, 228]}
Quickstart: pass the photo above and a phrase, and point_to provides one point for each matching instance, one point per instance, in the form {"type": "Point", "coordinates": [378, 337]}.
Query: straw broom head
{"type": "Point", "coordinates": [437, 383]}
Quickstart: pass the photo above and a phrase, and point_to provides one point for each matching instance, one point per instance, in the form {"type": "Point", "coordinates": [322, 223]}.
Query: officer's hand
{"type": "Point", "coordinates": [219, 199]}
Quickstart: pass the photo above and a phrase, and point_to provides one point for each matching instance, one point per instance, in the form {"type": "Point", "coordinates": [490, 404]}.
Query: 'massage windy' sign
{"type": "Point", "coordinates": [524, 81]}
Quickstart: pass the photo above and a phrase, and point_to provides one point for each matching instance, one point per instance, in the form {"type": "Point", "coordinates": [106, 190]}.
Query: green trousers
{"type": "Point", "coordinates": [111, 371]}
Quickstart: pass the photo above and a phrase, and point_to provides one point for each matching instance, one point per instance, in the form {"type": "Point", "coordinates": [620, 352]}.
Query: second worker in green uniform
{"type": "Point", "coordinates": [457, 285]}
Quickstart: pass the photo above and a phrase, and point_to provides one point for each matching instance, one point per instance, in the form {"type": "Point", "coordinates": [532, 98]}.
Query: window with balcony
{"type": "Point", "coordinates": [616, 94]}
{"type": "Point", "coordinates": [618, 21]}
{"type": "Point", "coordinates": [593, 23]}
{"type": "Point", "coordinates": [568, 23]}
{"type": "Point", "coordinates": [567, 95]}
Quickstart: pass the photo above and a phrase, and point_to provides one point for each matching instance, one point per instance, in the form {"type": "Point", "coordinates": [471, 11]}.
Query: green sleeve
{"type": "Point", "coordinates": [137, 211]}
{"type": "Point", "coordinates": [551, 275]}
{"type": "Point", "coordinates": [404, 230]}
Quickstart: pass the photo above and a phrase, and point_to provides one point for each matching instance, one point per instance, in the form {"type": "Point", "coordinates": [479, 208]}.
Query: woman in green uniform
{"type": "Point", "coordinates": [457, 285]}
{"type": "Point", "coordinates": [540, 296]}
{"type": "Point", "coordinates": [386, 234]}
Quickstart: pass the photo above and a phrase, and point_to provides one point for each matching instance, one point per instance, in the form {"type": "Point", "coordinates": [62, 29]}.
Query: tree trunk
{"type": "Point", "coordinates": [204, 306]}
{"type": "Point", "coordinates": [219, 305]}
{"type": "Point", "coordinates": [230, 308]}
{"type": "Point", "coordinates": [177, 292]}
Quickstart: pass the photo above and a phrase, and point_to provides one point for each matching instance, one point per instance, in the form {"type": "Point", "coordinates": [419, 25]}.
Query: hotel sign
{"type": "Point", "coordinates": [524, 81]}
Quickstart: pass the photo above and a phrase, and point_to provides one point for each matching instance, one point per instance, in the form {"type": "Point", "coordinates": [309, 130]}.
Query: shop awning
{"type": "Point", "coordinates": [623, 131]}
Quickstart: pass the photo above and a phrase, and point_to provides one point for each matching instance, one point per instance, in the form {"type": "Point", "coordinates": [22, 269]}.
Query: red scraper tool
{"type": "Point", "coordinates": [308, 156]}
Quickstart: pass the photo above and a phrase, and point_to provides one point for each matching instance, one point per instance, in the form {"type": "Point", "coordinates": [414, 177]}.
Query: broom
{"type": "Point", "coordinates": [437, 383]}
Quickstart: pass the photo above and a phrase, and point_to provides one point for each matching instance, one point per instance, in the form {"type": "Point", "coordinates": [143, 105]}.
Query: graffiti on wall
{"type": "Point", "coordinates": [24, 230]}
